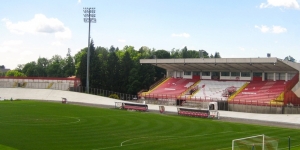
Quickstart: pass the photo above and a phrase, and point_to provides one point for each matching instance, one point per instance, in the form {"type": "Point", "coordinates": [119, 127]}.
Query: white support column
{"type": "Point", "coordinates": [263, 76]}
{"type": "Point", "coordinates": [286, 76]}
{"type": "Point", "coordinates": [274, 76]}
{"type": "Point", "coordinates": [200, 74]}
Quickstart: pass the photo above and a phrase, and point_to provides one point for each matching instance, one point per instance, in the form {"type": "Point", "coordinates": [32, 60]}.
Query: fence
{"type": "Point", "coordinates": [251, 106]}
{"type": "Point", "coordinates": [105, 93]}
{"type": "Point", "coordinates": [182, 97]}
{"type": "Point", "coordinates": [35, 85]}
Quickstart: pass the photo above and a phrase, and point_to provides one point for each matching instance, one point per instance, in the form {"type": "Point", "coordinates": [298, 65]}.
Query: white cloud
{"type": "Point", "coordinates": [79, 1]}
{"type": "Point", "coordinates": [185, 35]}
{"type": "Point", "coordinates": [26, 53]}
{"type": "Point", "coordinates": [121, 40]}
{"type": "Point", "coordinates": [278, 29]}
{"type": "Point", "coordinates": [273, 29]}
{"type": "Point", "coordinates": [40, 24]}
{"type": "Point", "coordinates": [263, 28]}
{"type": "Point", "coordinates": [67, 34]}
{"type": "Point", "coordinates": [7, 46]}
{"type": "Point", "coordinates": [242, 48]}
{"type": "Point", "coordinates": [280, 3]}
{"type": "Point", "coordinates": [56, 43]}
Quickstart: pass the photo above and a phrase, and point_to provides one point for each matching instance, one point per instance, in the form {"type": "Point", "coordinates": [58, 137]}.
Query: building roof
{"type": "Point", "coordinates": [225, 64]}
{"type": "Point", "coordinates": [4, 70]}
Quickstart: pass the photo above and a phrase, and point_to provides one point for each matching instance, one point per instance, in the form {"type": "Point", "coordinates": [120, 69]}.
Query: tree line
{"type": "Point", "coordinates": [110, 68]}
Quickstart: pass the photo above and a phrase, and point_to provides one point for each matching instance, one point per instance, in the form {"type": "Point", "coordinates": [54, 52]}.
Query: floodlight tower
{"type": "Point", "coordinates": [89, 14]}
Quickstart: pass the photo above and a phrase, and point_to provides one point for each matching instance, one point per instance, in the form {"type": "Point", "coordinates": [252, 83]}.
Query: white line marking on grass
{"type": "Point", "coordinates": [170, 138]}
{"type": "Point", "coordinates": [291, 146]}
{"type": "Point", "coordinates": [142, 138]}
{"type": "Point", "coordinates": [31, 119]}
{"type": "Point", "coordinates": [174, 137]}
{"type": "Point", "coordinates": [107, 116]}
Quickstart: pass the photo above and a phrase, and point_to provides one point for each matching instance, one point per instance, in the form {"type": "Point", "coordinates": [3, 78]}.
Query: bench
{"type": "Point", "coordinates": [135, 107]}
{"type": "Point", "coordinates": [193, 112]}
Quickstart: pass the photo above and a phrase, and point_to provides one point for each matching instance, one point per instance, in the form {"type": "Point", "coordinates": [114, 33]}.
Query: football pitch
{"type": "Point", "coordinates": [37, 125]}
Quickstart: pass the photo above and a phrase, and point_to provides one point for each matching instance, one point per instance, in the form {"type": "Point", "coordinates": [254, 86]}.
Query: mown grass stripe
{"type": "Point", "coordinates": [102, 128]}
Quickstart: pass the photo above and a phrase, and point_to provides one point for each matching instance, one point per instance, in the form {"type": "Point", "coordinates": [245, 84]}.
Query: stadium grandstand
{"type": "Point", "coordinates": [238, 82]}
{"type": "Point", "coordinates": [258, 85]}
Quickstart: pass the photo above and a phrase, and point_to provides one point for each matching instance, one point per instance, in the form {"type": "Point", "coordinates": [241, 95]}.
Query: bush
{"type": "Point", "coordinates": [115, 96]}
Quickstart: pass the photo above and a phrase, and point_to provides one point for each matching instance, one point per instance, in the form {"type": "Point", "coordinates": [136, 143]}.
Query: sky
{"type": "Point", "coordinates": [235, 28]}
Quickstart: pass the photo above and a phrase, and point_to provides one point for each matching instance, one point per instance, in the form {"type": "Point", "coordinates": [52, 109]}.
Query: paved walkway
{"type": "Point", "coordinates": [56, 95]}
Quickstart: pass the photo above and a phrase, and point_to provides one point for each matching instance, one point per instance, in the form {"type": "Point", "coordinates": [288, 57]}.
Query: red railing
{"type": "Point", "coordinates": [40, 78]}
{"type": "Point", "coordinates": [290, 96]}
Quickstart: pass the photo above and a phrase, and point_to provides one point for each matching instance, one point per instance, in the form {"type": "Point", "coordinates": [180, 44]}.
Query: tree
{"type": "Point", "coordinates": [217, 55]}
{"type": "Point", "coordinates": [126, 65]}
{"type": "Point", "coordinates": [290, 58]}
{"type": "Point", "coordinates": [134, 84]}
{"type": "Point", "coordinates": [203, 54]}
{"type": "Point", "coordinates": [69, 68]}
{"type": "Point", "coordinates": [147, 75]}
{"type": "Point", "coordinates": [184, 52]}
{"type": "Point", "coordinates": [14, 73]}
{"type": "Point", "coordinates": [78, 58]}
{"type": "Point", "coordinates": [20, 67]}
{"type": "Point", "coordinates": [95, 67]}
{"type": "Point", "coordinates": [41, 67]}
{"type": "Point", "coordinates": [30, 69]}
{"type": "Point", "coordinates": [102, 72]}
{"type": "Point", "coordinates": [82, 68]}
{"type": "Point", "coordinates": [56, 65]}
{"type": "Point", "coordinates": [113, 68]}
{"type": "Point", "coordinates": [145, 52]}
{"type": "Point", "coordinates": [162, 54]}
{"type": "Point", "coordinates": [112, 49]}
{"type": "Point", "coordinates": [175, 53]}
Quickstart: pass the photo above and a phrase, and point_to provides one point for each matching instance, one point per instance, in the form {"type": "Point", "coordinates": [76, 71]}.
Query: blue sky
{"type": "Point", "coordinates": [234, 28]}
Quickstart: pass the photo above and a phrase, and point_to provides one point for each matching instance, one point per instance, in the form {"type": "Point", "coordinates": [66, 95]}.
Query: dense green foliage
{"type": "Point", "coordinates": [14, 73]}
{"type": "Point", "coordinates": [110, 69]}
{"type": "Point", "coordinates": [29, 125]}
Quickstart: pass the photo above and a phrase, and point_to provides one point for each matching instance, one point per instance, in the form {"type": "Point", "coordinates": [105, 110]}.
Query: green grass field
{"type": "Point", "coordinates": [35, 125]}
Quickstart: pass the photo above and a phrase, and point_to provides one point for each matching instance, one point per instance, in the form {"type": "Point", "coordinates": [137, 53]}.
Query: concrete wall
{"type": "Point", "coordinates": [255, 109]}
{"type": "Point", "coordinates": [291, 110]}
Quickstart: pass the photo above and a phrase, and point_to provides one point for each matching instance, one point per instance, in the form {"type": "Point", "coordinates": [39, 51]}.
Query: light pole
{"type": "Point", "coordinates": [89, 14]}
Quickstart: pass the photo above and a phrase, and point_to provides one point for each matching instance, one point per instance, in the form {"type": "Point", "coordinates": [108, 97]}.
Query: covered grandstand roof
{"type": "Point", "coordinates": [224, 64]}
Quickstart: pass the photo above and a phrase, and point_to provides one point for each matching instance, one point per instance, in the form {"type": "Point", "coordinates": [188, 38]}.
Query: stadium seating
{"type": "Point", "coordinates": [215, 90]}
{"type": "Point", "coordinates": [37, 85]}
{"type": "Point", "coordinates": [6, 84]}
{"type": "Point", "coordinates": [262, 92]}
{"type": "Point", "coordinates": [60, 86]}
{"type": "Point", "coordinates": [172, 87]}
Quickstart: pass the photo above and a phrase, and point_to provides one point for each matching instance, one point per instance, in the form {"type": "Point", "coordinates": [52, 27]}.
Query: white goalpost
{"type": "Point", "coordinates": [257, 142]}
